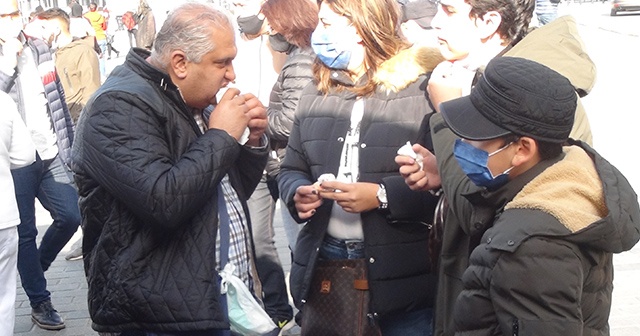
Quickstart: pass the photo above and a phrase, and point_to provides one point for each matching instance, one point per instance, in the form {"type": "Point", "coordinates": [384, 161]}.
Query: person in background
{"type": "Point", "coordinates": [146, 26]}
{"type": "Point", "coordinates": [16, 151]}
{"type": "Point", "coordinates": [129, 22]}
{"type": "Point", "coordinates": [76, 61]}
{"type": "Point", "coordinates": [154, 175]}
{"type": "Point", "coordinates": [556, 209]}
{"type": "Point", "coordinates": [546, 11]}
{"type": "Point", "coordinates": [283, 21]}
{"type": "Point", "coordinates": [28, 74]}
{"type": "Point", "coordinates": [78, 25]}
{"type": "Point", "coordinates": [367, 100]}
{"type": "Point", "coordinates": [99, 25]}
{"type": "Point", "coordinates": [290, 33]}
{"type": "Point", "coordinates": [110, 34]}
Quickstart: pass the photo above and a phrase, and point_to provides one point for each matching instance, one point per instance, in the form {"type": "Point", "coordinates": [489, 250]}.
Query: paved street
{"type": "Point", "coordinates": [613, 44]}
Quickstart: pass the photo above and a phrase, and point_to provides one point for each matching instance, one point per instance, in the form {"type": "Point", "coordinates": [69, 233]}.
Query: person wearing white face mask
{"type": "Point", "coordinates": [28, 74]}
{"type": "Point", "coordinates": [366, 101]}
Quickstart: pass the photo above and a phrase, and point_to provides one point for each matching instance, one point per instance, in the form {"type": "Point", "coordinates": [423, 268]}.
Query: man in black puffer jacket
{"type": "Point", "coordinates": [150, 171]}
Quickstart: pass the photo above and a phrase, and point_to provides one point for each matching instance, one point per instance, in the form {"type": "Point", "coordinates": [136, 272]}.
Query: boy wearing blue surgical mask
{"type": "Point", "coordinates": [538, 206]}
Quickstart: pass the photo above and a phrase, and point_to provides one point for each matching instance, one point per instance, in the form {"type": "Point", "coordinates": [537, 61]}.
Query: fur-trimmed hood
{"type": "Point", "coordinates": [406, 67]}
{"type": "Point", "coordinates": [589, 197]}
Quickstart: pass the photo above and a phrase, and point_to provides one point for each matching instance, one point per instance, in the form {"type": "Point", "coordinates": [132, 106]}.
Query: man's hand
{"type": "Point", "coordinates": [230, 114]}
{"type": "Point", "coordinates": [352, 197]}
{"type": "Point", "coordinates": [307, 200]}
{"type": "Point", "coordinates": [11, 49]}
{"type": "Point", "coordinates": [448, 81]}
{"type": "Point", "coordinates": [418, 179]}
{"type": "Point", "coordinates": [257, 119]}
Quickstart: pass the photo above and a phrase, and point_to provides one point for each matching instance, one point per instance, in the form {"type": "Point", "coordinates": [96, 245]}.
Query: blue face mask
{"type": "Point", "coordinates": [473, 162]}
{"type": "Point", "coordinates": [326, 44]}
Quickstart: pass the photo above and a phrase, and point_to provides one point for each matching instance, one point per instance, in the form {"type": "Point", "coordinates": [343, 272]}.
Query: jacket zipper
{"type": "Point", "coordinates": [66, 74]}
{"type": "Point", "coordinates": [516, 328]}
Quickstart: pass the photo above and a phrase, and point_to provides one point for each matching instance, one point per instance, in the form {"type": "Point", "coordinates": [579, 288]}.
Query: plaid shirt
{"type": "Point", "coordinates": [239, 247]}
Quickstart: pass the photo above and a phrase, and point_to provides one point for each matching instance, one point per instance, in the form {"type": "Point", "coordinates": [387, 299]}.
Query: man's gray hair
{"type": "Point", "coordinates": [188, 28]}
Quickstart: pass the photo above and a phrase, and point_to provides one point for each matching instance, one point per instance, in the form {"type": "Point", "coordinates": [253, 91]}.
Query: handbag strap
{"type": "Point", "coordinates": [223, 224]}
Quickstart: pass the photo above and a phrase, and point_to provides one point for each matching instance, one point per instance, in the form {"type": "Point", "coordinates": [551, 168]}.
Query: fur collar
{"type": "Point", "coordinates": [570, 190]}
{"type": "Point", "coordinates": [398, 72]}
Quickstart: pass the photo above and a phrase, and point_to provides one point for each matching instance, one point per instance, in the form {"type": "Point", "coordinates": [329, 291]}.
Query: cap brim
{"type": "Point", "coordinates": [467, 122]}
{"type": "Point", "coordinates": [424, 22]}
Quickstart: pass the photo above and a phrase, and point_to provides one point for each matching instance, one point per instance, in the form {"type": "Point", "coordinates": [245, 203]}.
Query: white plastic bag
{"type": "Point", "coordinates": [246, 315]}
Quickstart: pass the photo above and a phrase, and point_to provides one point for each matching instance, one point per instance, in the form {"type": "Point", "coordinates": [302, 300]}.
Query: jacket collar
{"type": "Point", "coordinates": [137, 58]}
{"type": "Point", "coordinates": [403, 69]}
{"type": "Point", "coordinates": [488, 204]}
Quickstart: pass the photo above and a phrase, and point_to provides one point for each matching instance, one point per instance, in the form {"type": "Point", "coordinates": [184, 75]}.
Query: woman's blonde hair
{"type": "Point", "coordinates": [378, 24]}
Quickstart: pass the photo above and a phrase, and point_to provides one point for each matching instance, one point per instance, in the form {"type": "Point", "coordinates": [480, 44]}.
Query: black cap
{"type": "Point", "coordinates": [518, 96]}
{"type": "Point", "coordinates": [420, 11]}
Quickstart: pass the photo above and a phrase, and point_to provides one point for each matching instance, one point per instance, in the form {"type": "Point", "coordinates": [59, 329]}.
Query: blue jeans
{"type": "Point", "coordinates": [51, 182]}
{"type": "Point", "coordinates": [334, 248]}
{"type": "Point", "coordinates": [414, 323]}
{"type": "Point", "coordinates": [102, 60]}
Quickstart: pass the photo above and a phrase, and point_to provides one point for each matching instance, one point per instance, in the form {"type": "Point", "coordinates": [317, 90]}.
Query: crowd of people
{"type": "Point", "coordinates": [441, 145]}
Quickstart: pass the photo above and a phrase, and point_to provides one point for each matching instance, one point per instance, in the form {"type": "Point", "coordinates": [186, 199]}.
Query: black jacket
{"type": "Point", "coordinates": [147, 180]}
{"type": "Point", "coordinates": [545, 266]}
{"type": "Point", "coordinates": [396, 241]}
{"type": "Point", "coordinates": [295, 75]}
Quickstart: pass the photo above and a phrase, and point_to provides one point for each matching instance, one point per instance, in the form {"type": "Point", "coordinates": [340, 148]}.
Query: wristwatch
{"type": "Point", "coordinates": [381, 195]}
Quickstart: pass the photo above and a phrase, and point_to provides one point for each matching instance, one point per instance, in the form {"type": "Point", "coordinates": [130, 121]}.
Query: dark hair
{"type": "Point", "coordinates": [547, 150]}
{"type": "Point", "coordinates": [56, 14]}
{"type": "Point", "coordinates": [516, 15]}
{"type": "Point", "coordinates": [294, 19]}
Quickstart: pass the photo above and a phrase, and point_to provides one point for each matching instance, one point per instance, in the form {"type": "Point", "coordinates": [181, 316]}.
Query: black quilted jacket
{"type": "Point", "coordinates": [396, 241]}
{"type": "Point", "coordinates": [147, 180]}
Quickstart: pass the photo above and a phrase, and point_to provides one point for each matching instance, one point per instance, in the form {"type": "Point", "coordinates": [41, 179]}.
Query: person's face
{"type": "Point", "coordinates": [457, 33]}
{"type": "Point", "coordinates": [500, 161]}
{"type": "Point", "coordinates": [93, 7]}
{"type": "Point", "coordinates": [203, 80]}
{"type": "Point", "coordinates": [10, 20]}
{"type": "Point", "coordinates": [344, 32]}
{"type": "Point", "coordinates": [47, 30]}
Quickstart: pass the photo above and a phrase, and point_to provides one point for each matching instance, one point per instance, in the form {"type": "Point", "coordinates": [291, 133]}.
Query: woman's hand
{"type": "Point", "coordinates": [352, 197]}
{"type": "Point", "coordinates": [307, 200]}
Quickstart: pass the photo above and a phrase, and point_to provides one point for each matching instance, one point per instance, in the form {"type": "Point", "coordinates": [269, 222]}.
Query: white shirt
{"type": "Point", "coordinates": [16, 151]}
{"type": "Point", "coordinates": [36, 107]}
{"type": "Point", "coordinates": [342, 224]}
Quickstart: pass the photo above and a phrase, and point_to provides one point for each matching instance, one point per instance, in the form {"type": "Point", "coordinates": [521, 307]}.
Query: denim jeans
{"type": "Point", "coordinates": [261, 211]}
{"type": "Point", "coordinates": [51, 182]}
{"type": "Point", "coordinates": [334, 248]}
{"type": "Point", "coordinates": [414, 323]}
{"type": "Point", "coordinates": [102, 59]}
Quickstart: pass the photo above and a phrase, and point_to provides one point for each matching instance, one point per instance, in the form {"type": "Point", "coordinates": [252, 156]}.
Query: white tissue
{"type": "Point", "coordinates": [245, 137]}
{"type": "Point", "coordinates": [407, 150]}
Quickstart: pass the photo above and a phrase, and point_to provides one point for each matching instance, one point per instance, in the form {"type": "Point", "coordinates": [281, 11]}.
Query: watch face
{"type": "Point", "coordinates": [382, 196]}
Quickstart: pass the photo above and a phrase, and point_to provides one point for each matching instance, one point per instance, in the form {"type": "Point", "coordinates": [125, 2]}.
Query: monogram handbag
{"type": "Point", "coordinates": [338, 302]}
